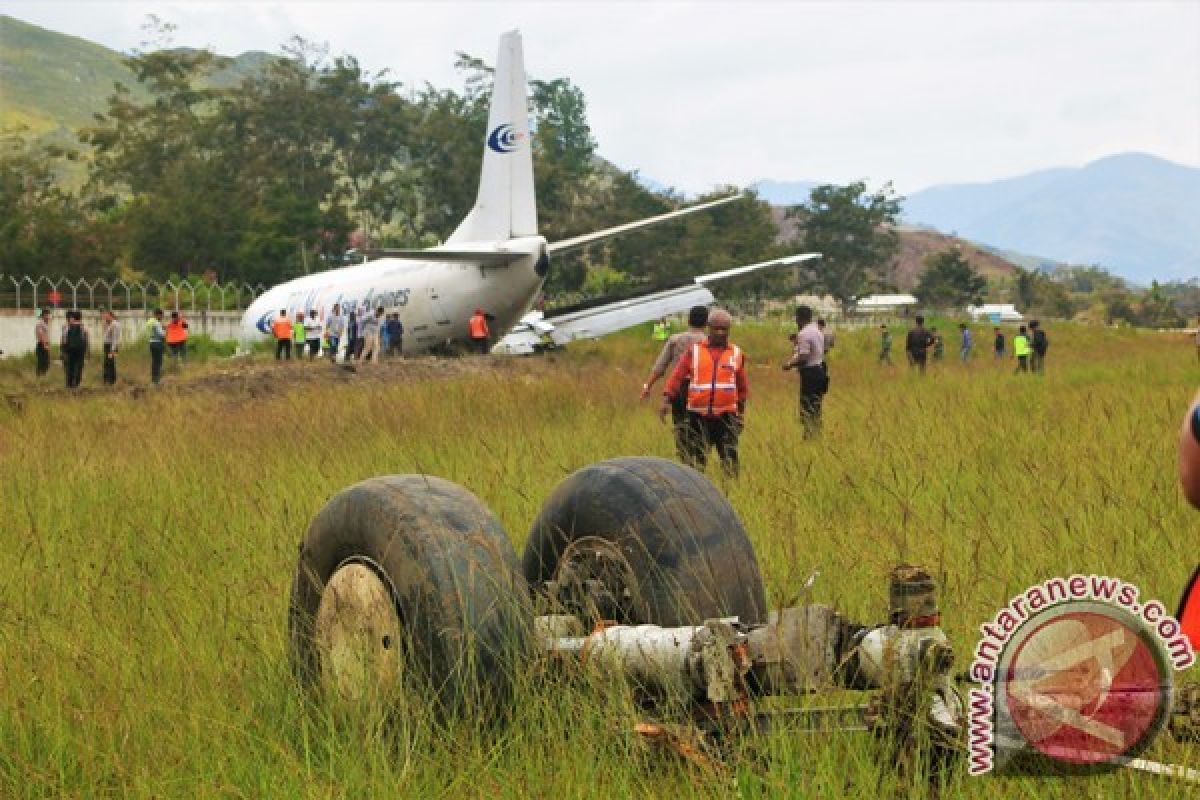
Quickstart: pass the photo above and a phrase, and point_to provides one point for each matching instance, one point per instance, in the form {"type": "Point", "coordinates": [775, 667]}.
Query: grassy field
{"type": "Point", "coordinates": [149, 539]}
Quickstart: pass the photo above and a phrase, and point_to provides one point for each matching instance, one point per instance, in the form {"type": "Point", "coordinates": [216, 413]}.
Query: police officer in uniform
{"type": "Point", "coordinates": [808, 356]}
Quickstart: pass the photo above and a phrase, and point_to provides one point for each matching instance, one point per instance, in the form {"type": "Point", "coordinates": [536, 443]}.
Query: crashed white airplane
{"type": "Point", "coordinates": [495, 260]}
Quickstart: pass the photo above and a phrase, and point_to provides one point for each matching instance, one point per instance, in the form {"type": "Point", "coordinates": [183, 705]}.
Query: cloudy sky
{"type": "Point", "coordinates": [698, 94]}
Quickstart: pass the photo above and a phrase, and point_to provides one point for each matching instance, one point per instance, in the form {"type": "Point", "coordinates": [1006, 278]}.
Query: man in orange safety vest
{"type": "Point", "coordinates": [477, 329]}
{"type": "Point", "coordinates": [715, 371]}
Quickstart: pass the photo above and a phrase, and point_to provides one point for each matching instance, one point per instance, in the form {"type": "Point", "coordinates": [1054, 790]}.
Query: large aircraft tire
{"type": "Point", "coordinates": [408, 582]}
{"type": "Point", "coordinates": [643, 541]}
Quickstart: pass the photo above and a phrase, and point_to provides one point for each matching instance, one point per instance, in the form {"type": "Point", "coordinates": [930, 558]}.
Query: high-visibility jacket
{"type": "Point", "coordinates": [477, 327]}
{"type": "Point", "coordinates": [713, 388]}
{"type": "Point", "coordinates": [281, 328]}
{"type": "Point", "coordinates": [298, 330]}
{"type": "Point", "coordinates": [1021, 345]}
{"type": "Point", "coordinates": [661, 332]}
{"type": "Point", "coordinates": [176, 331]}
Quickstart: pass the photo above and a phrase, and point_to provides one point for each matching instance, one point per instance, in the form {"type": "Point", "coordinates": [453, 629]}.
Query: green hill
{"type": "Point", "coordinates": [53, 84]}
{"type": "Point", "coordinates": [50, 81]}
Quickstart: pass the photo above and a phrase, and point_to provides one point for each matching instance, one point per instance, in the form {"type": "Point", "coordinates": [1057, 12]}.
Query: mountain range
{"type": "Point", "coordinates": [1134, 214]}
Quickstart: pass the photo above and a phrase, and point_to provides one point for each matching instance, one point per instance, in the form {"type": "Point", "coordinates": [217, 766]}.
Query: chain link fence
{"type": "Point", "coordinates": [26, 292]}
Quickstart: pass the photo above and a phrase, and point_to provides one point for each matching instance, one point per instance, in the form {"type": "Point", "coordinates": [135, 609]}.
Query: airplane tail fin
{"type": "Point", "coordinates": [505, 207]}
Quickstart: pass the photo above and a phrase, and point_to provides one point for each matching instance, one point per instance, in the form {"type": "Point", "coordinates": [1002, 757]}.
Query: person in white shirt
{"type": "Point", "coordinates": [312, 334]}
{"type": "Point", "coordinates": [335, 326]}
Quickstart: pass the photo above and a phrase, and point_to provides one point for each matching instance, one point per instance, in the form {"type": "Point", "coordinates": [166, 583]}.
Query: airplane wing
{"type": "Point", "coordinates": [536, 332]}
{"type": "Point", "coordinates": [576, 242]}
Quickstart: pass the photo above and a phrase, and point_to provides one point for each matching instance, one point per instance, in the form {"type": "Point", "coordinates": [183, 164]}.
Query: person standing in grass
{"type": "Point", "coordinates": [41, 334]}
{"type": "Point", "coordinates": [917, 344]}
{"type": "Point", "coordinates": [370, 336]}
{"type": "Point", "coordinates": [998, 344]}
{"type": "Point", "coordinates": [281, 329]}
{"type": "Point", "coordinates": [885, 345]}
{"type": "Point", "coordinates": [334, 328]}
{"type": "Point", "coordinates": [808, 358]}
{"type": "Point", "coordinates": [177, 336]}
{"type": "Point", "coordinates": [395, 331]}
{"type": "Point", "coordinates": [673, 349]}
{"type": "Point", "coordinates": [1040, 344]}
{"type": "Point", "coordinates": [939, 345]}
{"type": "Point", "coordinates": [112, 343]}
{"type": "Point", "coordinates": [74, 348]}
{"type": "Point", "coordinates": [1021, 350]}
{"type": "Point", "coordinates": [352, 340]}
{"type": "Point", "coordinates": [299, 336]}
{"type": "Point", "coordinates": [313, 330]}
{"type": "Point", "coordinates": [714, 372]}
{"type": "Point", "coordinates": [964, 352]}
{"type": "Point", "coordinates": [477, 329]}
{"type": "Point", "coordinates": [157, 337]}
{"type": "Point", "coordinates": [662, 330]}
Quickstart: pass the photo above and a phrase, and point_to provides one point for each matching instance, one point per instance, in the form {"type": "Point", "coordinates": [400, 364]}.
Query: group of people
{"type": "Point", "coordinates": [75, 344]}
{"type": "Point", "coordinates": [706, 390]}
{"type": "Point", "coordinates": [368, 336]}
{"type": "Point", "coordinates": [1029, 345]}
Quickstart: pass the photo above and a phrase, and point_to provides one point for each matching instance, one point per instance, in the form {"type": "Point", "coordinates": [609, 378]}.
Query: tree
{"type": "Point", "coordinates": [1036, 292]}
{"type": "Point", "coordinates": [949, 281]}
{"type": "Point", "coordinates": [853, 232]}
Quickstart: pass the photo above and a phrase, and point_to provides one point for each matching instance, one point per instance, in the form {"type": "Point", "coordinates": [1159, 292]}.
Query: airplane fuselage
{"type": "Point", "coordinates": [434, 299]}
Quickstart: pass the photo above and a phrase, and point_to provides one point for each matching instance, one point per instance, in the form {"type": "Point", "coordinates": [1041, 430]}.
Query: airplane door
{"type": "Point", "coordinates": [436, 311]}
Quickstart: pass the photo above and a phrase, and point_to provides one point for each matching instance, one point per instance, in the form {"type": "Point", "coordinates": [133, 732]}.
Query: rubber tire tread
{"type": "Point", "coordinates": [684, 542]}
{"type": "Point", "coordinates": [462, 603]}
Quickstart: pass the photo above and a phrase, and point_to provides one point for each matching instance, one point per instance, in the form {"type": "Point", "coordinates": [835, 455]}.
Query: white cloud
{"type": "Point", "coordinates": [696, 94]}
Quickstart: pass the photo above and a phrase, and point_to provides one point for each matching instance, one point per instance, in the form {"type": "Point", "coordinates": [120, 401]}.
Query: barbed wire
{"type": "Point", "coordinates": [26, 292]}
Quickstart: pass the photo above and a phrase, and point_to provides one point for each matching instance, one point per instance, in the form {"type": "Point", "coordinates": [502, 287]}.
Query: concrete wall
{"type": "Point", "coordinates": [16, 327]}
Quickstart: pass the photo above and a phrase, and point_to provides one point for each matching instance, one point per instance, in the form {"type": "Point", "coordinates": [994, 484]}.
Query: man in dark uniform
{"type": "Point", "coordinates": [1040, 345]}
{"type": "Point", "coordinates": [917, 345]}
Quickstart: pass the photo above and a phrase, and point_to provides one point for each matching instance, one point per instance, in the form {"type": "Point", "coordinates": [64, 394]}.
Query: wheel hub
{"type": "Point", "coordinates": [595, 580]}
{"type": "Point", "coordinates": [358, 635]}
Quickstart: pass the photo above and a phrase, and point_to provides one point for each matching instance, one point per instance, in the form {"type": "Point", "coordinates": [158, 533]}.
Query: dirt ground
{"type": "Point", "coordinates": [256, 376]}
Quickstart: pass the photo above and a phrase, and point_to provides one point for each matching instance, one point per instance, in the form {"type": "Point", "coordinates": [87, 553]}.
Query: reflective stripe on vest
{"type": "Point", "coordinates": [713, 386]}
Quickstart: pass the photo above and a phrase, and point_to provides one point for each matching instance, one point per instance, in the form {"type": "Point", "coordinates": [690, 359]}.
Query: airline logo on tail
{"type": "Point", "coordinates": [504, 139]}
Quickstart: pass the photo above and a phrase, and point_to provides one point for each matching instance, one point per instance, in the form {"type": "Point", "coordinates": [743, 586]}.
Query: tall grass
{"type": "Point", "coordinates": [149, 540]}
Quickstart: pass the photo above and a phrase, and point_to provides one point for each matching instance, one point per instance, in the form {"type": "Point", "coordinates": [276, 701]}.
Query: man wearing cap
{"type": "Point", "coordinates": [673, 349]}
{"type": "Point", "coordinates": [477, 329]}
{"type": "Point", "coordinates": [808, 357]}
{"type": "Point", "coordinates": [716, 390]}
